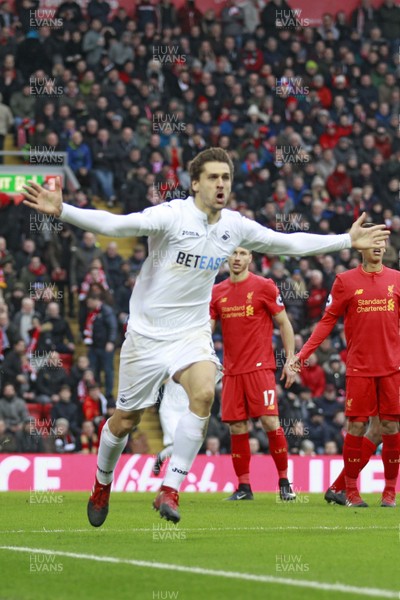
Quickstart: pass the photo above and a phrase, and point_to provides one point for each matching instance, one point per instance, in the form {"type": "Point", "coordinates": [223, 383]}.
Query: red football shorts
{"type": "Point", "coordinates": [249, 395]}
{"type": "Point", "coordinates": [371, 396]}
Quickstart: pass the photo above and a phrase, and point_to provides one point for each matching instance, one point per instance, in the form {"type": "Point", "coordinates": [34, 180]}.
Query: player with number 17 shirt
{"type": "Point", "coordinates": [246, 304]}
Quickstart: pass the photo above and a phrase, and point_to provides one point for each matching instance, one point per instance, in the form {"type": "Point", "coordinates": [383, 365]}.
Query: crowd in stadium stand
{"type": "Point", "coordinates": [310, 118]}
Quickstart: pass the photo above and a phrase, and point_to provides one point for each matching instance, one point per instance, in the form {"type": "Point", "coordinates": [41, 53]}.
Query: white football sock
{"type": "Point", "coordinates": [189, 436]}
{"type": "Point", "coordinates": [110, 450]}
{"type": "Point", "coordinates": [166, 452]}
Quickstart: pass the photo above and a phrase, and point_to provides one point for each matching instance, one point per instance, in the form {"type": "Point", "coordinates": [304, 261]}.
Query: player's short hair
{"type": "Point", "coordinates": [209, 155]}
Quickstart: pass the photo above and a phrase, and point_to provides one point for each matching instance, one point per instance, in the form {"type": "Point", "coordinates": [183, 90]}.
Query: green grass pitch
{"type": "Point", "coordinates": [262, 549]}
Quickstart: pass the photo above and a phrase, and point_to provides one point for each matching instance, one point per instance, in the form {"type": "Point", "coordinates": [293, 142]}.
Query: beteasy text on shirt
{"type": "Point", "coordinates": [196, 261]}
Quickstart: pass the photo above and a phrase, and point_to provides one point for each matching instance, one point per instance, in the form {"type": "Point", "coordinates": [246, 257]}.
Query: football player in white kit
{"type": "Point", "coordinates": [169, 333]}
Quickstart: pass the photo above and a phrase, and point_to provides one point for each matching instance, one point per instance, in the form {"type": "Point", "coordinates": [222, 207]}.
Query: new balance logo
{"type": "Point", "coordinates": [359, 292]}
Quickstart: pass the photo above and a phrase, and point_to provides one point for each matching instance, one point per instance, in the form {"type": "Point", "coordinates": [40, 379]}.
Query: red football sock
{"type": "Point", "coordinates": [368, 448]}
{"type": "Point", "coordinates": [352, 458]}
{"type": "Point", "coordinates": [240, 449]}
{"type": "Point", "coordinates": [279, 451]}
{"type": "Point", "coordinates": [390, 458]}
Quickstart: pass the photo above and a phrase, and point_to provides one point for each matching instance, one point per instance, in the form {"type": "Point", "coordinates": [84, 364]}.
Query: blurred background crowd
{"type": "Point", "coordinates": [310, 118]}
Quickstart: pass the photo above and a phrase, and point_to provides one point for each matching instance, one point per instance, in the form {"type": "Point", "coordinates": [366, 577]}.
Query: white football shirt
{"type": "Point", "coordinates": [173, 291]}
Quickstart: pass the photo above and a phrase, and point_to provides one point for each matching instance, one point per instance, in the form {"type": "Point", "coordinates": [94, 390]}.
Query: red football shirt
{"type": "Point", "coordinates": [369, 303]}
{"type": "Point", "coordinates": [245, 310]}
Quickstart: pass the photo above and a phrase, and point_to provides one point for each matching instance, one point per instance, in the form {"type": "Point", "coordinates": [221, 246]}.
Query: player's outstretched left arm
{"type": "Point", "coordinates": [259, 238]}
{"type": "Point", "coordinates": [287, 336]}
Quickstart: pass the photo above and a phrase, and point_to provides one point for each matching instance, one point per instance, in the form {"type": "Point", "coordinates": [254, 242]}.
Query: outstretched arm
{"type": "Point", "coordinates": [97, 221]}
{"type": "Point", "coordinates": [321, 332]}
{"type": "Point", "coordinates": [262, 239]}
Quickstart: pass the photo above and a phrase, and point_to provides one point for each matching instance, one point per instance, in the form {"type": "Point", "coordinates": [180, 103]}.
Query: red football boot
{"type": "Point", "coordinates": [354, 499]}
{"type": "Point", "coordinates": [167, 502]}
{"type": "Point", "coordinates": [97, 508]}
{"type": "Point", "coordinates": [388, 498]}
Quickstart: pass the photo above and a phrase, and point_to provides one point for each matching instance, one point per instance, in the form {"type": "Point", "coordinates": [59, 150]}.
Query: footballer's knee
{"type": "Point", "coordinates": [270, 422]}
{"type": "Point", "coordinates": [201, 401]}
{"type": "Point", "coordinates": [357, 428]}
{"type": "Point", "coordinates": [238, 427]}
{"type": "Point", "coordinates": [122, 422]}
{"type": "Point", "coordinates": [389, 427]}
{"type": "Point", "coordinates": [374, 433]}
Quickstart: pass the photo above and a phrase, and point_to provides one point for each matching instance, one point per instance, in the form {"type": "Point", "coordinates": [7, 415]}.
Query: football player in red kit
{"type": "Point", "coordinates": [368, 298]}
{"type": "Point", "coordinates": [245, 305]}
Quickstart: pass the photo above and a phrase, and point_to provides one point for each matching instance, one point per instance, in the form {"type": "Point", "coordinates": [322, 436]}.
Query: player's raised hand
{"type": "Point", "coordinates": [363, 238]}
{"type": "Point", "coordinates": [42, 200]}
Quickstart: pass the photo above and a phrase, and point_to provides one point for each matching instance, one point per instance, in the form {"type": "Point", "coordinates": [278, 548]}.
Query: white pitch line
{"type": "Point", "coordinates": [195, 529]}
{"type": "Point", "coordinates": [330, 587]}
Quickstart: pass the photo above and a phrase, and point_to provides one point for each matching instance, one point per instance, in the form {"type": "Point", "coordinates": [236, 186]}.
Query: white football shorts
{"type": "Point", "coordinates": [145, 364]}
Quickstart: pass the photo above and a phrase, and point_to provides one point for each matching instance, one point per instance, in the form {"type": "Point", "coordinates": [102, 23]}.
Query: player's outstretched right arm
{"type": "Point", "coordinates": [96, 221]}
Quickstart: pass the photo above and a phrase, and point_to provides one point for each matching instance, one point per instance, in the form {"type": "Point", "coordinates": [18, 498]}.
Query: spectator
{"type": "Point", "coordinates": [336, 373]}
{"type": "Point", "coordinates": [89, 440]}
{"type": "Point", "coordinates": [363, 18]}
{"type": "Point", "coordinates": [6, 121]}
{"type": "Point", "coordinates": [65, 408]}
{"type": "Point", "coordinates": [138, 257]}
{"type": "Point", "coordinates": [329, 403]}
{"type": "Point", "coordinates": [19, 370]}
{"type": "Point", "coordinates": [103, 158]}
{"type": "Point", "coordinates": [84, 383]}
{"type": "Point", "coordinates": [388, 17]}
{"type": "Point", "coordinates": [8, 442]}
{"type": "Point", "coordinates": [61, 248]}
{"type": "Point", "coordinates": [212, 446]}
{"type": "Point", "coordinates": [316, 297]}
{"type": "Point", "coordinates": [339, 184]}
{"type": "Point", "coordinates": [8, 335]}
{"type": "Point", "coordinates": [34, 277]}
{"type": "Point", "coordinates": [63, 442]}
{"type": "Point", "coordinates": [13, 410]}
{"type": "Point", "coordinates": [93, 43]}
{"type": "Point", "coordinates": [100, 334]}
{"type": "Point", "coordinates": [254, 444]}
{"type": "Point", "coordinates": [112, 264]}
{"type": "Point", "coordinates": [30, 439]}
{"type": "Point", "coordinates": [50, 378]}
{"type": "Point", "coordinates": [61, 337]}
{"type": "Point", "coordinates": [99, 9]}
{"type": "Point", "coordinates": [313, 377]}
{"type": "Point", "coordinates": [23, 318]}
{"type": "Point", "coordinates": [82, 257]}
{"type": "Point", "coordinates": [331, 448]}
{"type": "Point", "coordinates": [189, 16]}
{"type": "Point", "coordinates": [24, 256]}
{"type": "Point", "coordinates": [79, 158]}
{"type": "Point", "coordinates": [319, 432]}
{"type": "Point", "coordinates": [95, 404]}
{"type": "Point", "coordinates": [307, 448]}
